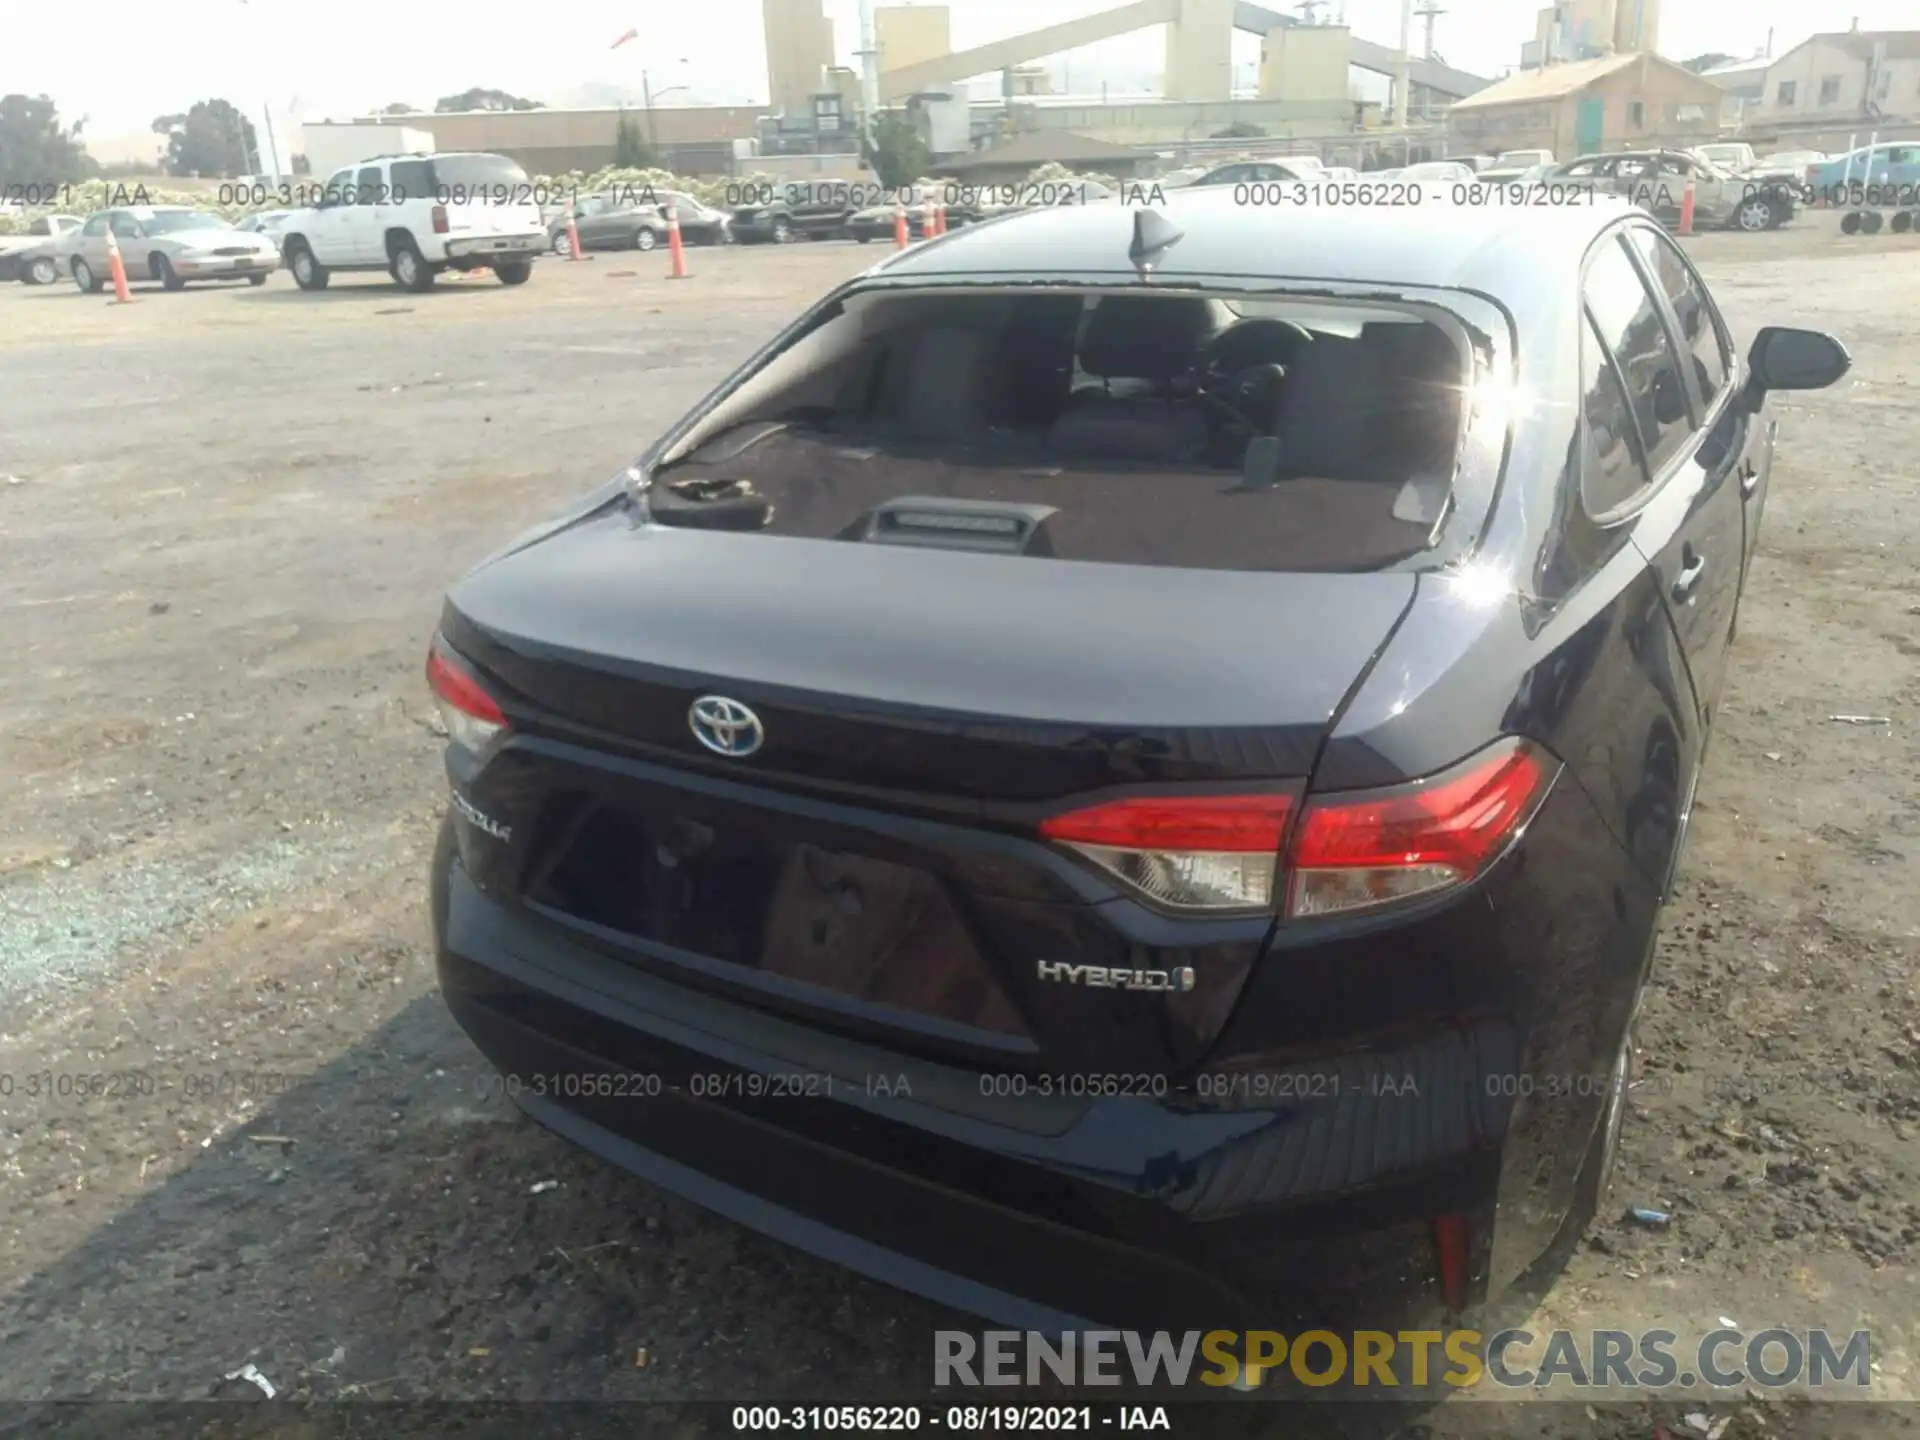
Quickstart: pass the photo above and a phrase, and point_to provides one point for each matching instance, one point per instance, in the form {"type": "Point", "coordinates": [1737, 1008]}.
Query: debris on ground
{"type": "Point", "coordinates": [251, 1374]}
{"type": "Point", "coordinates": [1654, 1219]}
{"type": "Point", "coordinates": [1862, 719]}
{"type": "Point", "coordinates": [544, 1186]}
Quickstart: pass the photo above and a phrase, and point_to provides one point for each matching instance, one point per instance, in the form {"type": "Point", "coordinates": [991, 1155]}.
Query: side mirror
{"type": "Point", "coordinates": [1783, 358]}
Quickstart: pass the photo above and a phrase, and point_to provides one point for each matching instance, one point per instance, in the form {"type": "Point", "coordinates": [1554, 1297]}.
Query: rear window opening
{"type": "Point", "coordinates": [1164, 428]}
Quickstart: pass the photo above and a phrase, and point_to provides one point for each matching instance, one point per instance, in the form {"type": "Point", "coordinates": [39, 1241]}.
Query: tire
{"type": "Point", "coordinates": [42, 270]}
{"type": "Point", "coordinates": [1754, 214]}
{"type": "Point", "coordinates": [84, 277]}
{"type": "Point", "coordinates": [644, 239]}
{"type": "Point", "coordinates": [408, 266]}
{"type": "Point", "coordinates": [782, 231]}
{"type": "Point", "coordinates": [514, 272]}
{"type": "Point", "coordinates": [561, 245]}
{"type": "Point", "coordinates": [308, 273]}
{"type": "Point", "coordinates": [864, 239]}
{"type": "Point", "coordinates": [1902, 222]}
{"type": "Point", "coordinates": [162, 270]}
{"type": "Point", "coordinates": [256, 280]}
{"type": "Point", "coordinates": [1850, 223]}
{"type": "Point", "coordinates": [1870, 223]}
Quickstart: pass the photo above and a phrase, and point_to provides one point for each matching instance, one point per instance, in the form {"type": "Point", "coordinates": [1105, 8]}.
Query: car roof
{"type": "Point", "coordinates": [1503, 251]}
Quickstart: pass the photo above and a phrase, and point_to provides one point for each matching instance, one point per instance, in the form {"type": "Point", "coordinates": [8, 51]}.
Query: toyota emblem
{"type": "Point", "coordinates": [725, 726]}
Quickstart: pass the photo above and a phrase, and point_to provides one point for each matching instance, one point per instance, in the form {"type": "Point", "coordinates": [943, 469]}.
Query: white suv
{"type": "Point", "coordinates": [416, 215]}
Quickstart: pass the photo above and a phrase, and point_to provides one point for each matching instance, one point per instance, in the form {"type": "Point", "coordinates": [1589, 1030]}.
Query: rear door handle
{"type": "Point", "coordinates": [1689, 577]}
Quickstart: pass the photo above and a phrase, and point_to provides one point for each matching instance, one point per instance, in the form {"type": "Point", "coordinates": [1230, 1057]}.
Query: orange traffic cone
{"type": "Point", "coordinates": [118, 269]}
{"type": "Point", "coordinates": [932, 220]}
{"type": "Point", "coordinates": [674, 247]}
{"type": "Point", "coordinates": [573, 237]}
{"type": "Point", "coordinates": [899, 227]}
{"type": "Point", "coordinates": [1686, 208]}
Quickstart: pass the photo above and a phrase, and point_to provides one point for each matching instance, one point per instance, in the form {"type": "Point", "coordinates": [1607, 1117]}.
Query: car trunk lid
{"type": "Point", "coordinates": [876, 863]}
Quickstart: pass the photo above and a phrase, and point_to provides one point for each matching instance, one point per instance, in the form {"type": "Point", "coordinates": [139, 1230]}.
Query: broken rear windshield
{"type": "Point", "coordinates": [1157, 428]}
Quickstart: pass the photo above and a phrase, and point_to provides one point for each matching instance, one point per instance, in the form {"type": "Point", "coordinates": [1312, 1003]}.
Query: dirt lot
{"type": "Point", "coordinates": [226, 518]}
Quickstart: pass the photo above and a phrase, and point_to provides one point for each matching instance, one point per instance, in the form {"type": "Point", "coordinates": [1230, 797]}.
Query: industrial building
{"type": "Point", "coordinates": [1615, 102]}
{"type": "Point", "coordinates": [1305, 89]}
{"type": "Point", "coordinates": [1591, 29]}
{"type": "Point", "coordinates": [1854, 76]}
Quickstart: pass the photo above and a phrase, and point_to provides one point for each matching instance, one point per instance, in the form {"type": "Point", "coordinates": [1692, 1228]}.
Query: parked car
{"type": "Point", "coordinates": [889, 814]}
{"type": "Point", "coordinates": [36, 257]}
{"type": "Point", "coordinates": [1521, 159]}
{"type": "Point", "coordinates": [1441, 173]}
{"type": "Point", "coordinates": [1736, 157]}
{"type": "Point", "coordinates": [636, 219]}
{"type": "Point", "coordinates": [1259, 172]}
{"type": "Point", "coordinates": [173, 244]}
{"type": "Point", "coordinates": [264, 222]}
{"type": "Point", "coordinates": [875, 222]}
{"type": "Point", "coordinates": [415, 216]}
{"type": "Point", "coordinates": [1657, 180]}
{"type": "Point", "coordinates": [1884, 174]}
{"type": "Point", "coordinates": [811, 212]}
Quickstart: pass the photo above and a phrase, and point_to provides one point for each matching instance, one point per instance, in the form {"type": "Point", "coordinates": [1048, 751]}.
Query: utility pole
{"type": "Point", "coordinates": [1402, 65]}
{"type": "Point", "coordinates": [869, 66]}
{"type": "Point", "coordinates": [1428, 13]}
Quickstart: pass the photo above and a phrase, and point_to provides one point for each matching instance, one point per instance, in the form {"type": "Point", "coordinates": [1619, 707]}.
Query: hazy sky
{"type": "Point", "coordinates": [349, 56]}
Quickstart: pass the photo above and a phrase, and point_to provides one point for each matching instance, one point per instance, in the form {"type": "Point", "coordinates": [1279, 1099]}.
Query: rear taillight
{"type": "Point", "coordinates": [1361, 851]}
{"type": "Point", "coordinates": [1346, 853]}
{"type": "Point", "coordinates": [470, 714]}
{"type": "Point", "coordinates": [439, 219]}
{"type": "Point", "coordinates": [1188, 851]}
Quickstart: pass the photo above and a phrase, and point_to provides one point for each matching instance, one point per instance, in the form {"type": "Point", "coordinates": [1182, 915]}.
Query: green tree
{"type": "Point", "coordinates": [630, 148]}
{"type": "Point", "coordinates": [212, 139]}
{"type": "Point", "coordinates": [895, 150]}
{"type": "Point", "coordinates": [400, 107]}
{"type": "Point", "coordinates": [1700, 64]}
{"type": "Point", "coordinates": [481, 98]}
{"type": "Point", "coordinates": [35, 148]}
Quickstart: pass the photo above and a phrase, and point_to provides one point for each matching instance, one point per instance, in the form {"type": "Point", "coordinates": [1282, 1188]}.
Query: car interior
{"type": "Point", "coordinates": [1138, 428]}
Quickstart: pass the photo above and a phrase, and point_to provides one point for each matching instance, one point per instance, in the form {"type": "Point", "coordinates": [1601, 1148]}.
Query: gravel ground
{"type": "Point", "coordinates": [226, 518]}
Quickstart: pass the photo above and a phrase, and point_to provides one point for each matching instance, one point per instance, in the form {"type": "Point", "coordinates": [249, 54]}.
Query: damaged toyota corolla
{"type": "Point", "coordinates": [1125, 767]}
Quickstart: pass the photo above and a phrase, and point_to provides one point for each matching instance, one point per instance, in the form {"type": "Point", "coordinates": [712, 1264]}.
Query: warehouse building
{"type": "Point", "coordinates": [1614, 102]}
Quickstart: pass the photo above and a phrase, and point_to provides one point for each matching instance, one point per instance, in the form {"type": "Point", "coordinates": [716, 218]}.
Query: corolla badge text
{"type": "Point", "coordinates": [480, 820]}
{"type": "Point", "coordinates": [1177, 981]}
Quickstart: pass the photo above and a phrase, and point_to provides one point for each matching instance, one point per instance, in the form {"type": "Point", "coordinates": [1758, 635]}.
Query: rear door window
{"type": "Point", "coordinates": [1628, 321]}
{"type": "Point", "coordinates": [1701, 327]}
{"type": "Point", "coordinates": [1612, 474]}
{"type": "Point", "coordinates": [410, 180]}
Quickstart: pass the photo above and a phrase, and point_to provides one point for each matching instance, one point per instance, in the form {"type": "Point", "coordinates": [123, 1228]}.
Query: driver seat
{"type": "Point", "coordinates": [1137, 346]}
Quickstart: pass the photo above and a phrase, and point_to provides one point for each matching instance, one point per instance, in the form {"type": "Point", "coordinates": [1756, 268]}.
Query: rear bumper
{"type": "Point", "coordinates": [497, 247]}
{"type": "Point", "coordinates": [1122, 1210]}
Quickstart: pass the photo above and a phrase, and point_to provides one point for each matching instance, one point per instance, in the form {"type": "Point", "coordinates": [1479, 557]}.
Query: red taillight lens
{"type": "Point", "coordinates": [439, 219]}
{"type": "Point", "coordinates": [1213, 852]}
{"type": "Point", "coordinates": [470, 714]}
{"type": "Point", "coordinates": [1348, 852]}
{"type": "Point", "coordinates": [1358, 852]}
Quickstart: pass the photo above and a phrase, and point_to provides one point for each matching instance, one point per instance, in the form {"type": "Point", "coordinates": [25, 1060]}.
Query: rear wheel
{"type": "Point", "coordinates": [256, 279]}
{"type": "Point", "coordinates": [162, 270]}
{"type": "Point", "coordinates": [782, 231]}
{"type": "Point", "coordinates": [644, 239]}
{"type": "Point", "coordinates": [1754, 214]}
{"type": "Point", "coordinates": [84, 277]}
{"type": "Point", "coordinates": [408, 266]}
{"type": "Point", "coordinates": [42, 271]}
{"type": "Point", "coordinates": [514, 272]}
{"type": "Point", "coordinates": [308, 273]}
{"type": "Point", "coordinates": [562, 246]}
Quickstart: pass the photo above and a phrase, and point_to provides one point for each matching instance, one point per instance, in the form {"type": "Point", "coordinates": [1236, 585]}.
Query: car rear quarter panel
{"type": "Point", "coordinates": [1555, 630]}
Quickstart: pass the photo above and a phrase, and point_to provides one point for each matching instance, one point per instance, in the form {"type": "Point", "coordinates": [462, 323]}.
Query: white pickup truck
{"type": "Point", "coordinates": [415, 216]}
